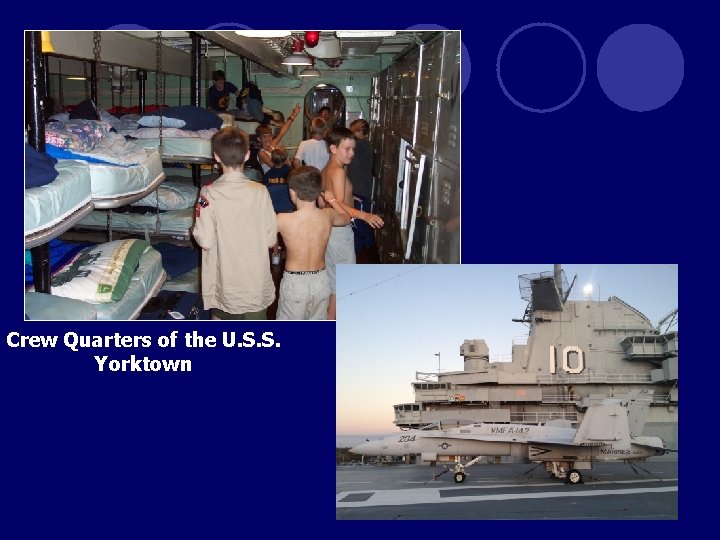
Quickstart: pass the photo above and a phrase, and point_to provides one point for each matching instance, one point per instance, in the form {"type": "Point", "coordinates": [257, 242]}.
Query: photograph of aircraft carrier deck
{"type": "Point", "coordinates": [587, 396]}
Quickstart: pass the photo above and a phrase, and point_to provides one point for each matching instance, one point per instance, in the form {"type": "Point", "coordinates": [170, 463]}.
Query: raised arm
{"type": "Point", "coordinates": [286, 125]}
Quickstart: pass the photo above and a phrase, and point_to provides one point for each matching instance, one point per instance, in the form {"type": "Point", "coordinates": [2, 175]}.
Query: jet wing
{"type": "Point", "coordinates": [512, 436]}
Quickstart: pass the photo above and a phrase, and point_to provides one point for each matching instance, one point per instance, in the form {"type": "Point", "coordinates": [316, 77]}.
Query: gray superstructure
{"type": "Point", "coordinates": [576, 351]}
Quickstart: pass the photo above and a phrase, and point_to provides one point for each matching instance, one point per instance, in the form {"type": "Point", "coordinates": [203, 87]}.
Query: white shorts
{"type": "Point", "coordinates": [303, 296]}
{"type": "Point", "coordinates": [340, 250]}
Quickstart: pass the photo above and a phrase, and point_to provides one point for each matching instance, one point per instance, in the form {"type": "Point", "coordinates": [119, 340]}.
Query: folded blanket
{"type": "Point", "coordinates": [113, 150]}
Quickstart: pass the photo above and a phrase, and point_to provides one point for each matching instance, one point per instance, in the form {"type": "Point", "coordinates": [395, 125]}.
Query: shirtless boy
{"type": "Point", "coordinates": [341, 247]}
{"type": "Point", "coordinates": [305, 287]}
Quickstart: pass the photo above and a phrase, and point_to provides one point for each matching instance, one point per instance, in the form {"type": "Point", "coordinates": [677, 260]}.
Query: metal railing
{"type": "Point", "coordinates": [537, 417]}
{"type": "Point", "coordinates": [616, 378]}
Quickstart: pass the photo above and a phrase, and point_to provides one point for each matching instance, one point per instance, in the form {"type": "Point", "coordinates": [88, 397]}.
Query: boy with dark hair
{"type": "Point", "coordinates": [305, 287]}
{"type": "Point", "coordinates": [360, 172]}
{"type": "Point", "coordinates": [218, 97]}
{"type": "Point", "coordinates": [235, 225]}
{"type": "Point", "coordinates": [341, 247]}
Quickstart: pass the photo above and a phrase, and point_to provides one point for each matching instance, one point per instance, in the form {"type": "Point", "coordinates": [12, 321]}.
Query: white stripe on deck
{"type": "Point", "coordinates": [395, 497]}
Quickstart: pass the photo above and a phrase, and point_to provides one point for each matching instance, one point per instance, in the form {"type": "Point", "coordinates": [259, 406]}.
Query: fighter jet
{"type": "Point", "coordinates": [608, 432]}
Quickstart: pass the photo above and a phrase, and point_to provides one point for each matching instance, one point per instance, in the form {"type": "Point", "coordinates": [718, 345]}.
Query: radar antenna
{"type": "Point", "coordinates": [569, 289]}
{"type": "Point", "coordinates": [671, 319]}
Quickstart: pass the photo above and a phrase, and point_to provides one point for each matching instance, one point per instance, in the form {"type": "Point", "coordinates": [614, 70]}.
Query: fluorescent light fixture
{"type": "Point", "coordinates": [364, 33]}
{"type": "Point", "coordinates": [263, 33]}
{"type": "Point", "coordinates": [309, 72]}
{"type": "Point", "coordinates": [46, 44]}
{"type": "Point", "coordinates": [297, 59]}
{"type": "Point", "coordinates": [75, 78]}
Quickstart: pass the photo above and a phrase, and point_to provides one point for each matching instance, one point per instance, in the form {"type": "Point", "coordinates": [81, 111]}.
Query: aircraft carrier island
{"type": "Point", "coordinates": [576, 353]}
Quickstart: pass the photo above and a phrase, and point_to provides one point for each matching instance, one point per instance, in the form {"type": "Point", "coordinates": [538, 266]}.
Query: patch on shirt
{"type": "Point", "coordinates": [201, 203]}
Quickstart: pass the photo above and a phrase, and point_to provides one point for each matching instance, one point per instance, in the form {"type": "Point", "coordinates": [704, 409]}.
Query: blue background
{"type": "Point", "coordinates": [225, 450]}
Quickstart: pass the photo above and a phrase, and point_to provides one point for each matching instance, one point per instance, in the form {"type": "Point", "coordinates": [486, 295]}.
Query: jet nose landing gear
{"type": "Point", "coordinates": [574, 477]}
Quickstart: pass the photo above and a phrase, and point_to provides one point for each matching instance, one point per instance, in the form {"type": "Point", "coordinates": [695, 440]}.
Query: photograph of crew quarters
{"type": "Point", "coordinates": [122, 132]}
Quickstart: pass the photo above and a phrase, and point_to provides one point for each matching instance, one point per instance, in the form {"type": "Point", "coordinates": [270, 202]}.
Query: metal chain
{"type": "Point", "coordinates": [61, 94]}
{"type": "Point", "coordinates": [159, 100]}
{"type": "Point", "coordinates": [206, 84]}
{"type": "Point", "coordinates": [96, 54]}
{"type": "Point", "coordinates": [87, 83]}
{"type": "Point", "coordinates": [120, 90]}
{"type": "Point", "coordinates": [96, 46]}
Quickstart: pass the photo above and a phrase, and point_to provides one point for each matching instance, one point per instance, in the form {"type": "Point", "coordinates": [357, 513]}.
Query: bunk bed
{"type": "Point", "coordinates": [108, 290]}
{"type": "Point", "coordinates": [184, 135]}
{"type": "Point", "coordinates": [168, 211]}
{"type": "Point", "coordinates": [114, 185]}
{"type": "Point", "coordinates": [53, 208]}
{"type": "Point", "coordinates": [144, 277]}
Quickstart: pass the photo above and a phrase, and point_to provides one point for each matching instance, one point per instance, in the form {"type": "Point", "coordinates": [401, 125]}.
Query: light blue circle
{"type": "Point", "coordinates": [227, 25]}
{"type": "Point", "coordinates": [640, 67]}
{"type": "Point", "coordinates": [129, 26]}
{"type": "Point", "coordinates": [577, 90]}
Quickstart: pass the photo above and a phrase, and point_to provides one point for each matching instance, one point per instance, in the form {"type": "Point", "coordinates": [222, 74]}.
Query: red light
{"type": "Point", "coordinates": [297, 45]}
{"type": "Point", "coordinates": [312, 38]}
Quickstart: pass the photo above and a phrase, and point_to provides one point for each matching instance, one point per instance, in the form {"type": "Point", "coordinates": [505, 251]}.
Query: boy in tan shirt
{"type": "Point", "coordinates": [305, 287]}
{"type": "Point", "coordinates": [235, 225]}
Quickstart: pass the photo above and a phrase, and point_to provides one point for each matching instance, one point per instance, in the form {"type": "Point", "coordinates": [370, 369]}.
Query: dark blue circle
{"type": "Point", "coordinates": [541, 67]}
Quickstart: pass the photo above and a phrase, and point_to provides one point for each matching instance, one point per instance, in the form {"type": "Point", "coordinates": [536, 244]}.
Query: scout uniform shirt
{"type": "Point", "coordinates": [235, 225]}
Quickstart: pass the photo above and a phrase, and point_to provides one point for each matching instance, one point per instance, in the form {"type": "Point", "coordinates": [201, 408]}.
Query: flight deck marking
{"type": "Point", "coordinates": [356, 497]}
{"type": "Point", "coordinates": [404, 497]}
{"type": "Point", "coordinates": [493, 483]}
{"type": "Point", "coordinates": [338, 483]}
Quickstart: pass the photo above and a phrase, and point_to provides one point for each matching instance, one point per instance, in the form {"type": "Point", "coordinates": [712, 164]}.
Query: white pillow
{"type": "Point", "coordinates": [101, 273]}
{"type": "Point", "coordinates": [154, 121]}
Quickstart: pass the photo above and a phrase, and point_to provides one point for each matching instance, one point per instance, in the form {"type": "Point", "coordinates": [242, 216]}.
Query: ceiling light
{"type": "Point", "coordinates": [309, 72]}
{"type": "Point", "coordinates": [46, 44]}
{"type": "Point", "coordinates": [76, 78]}
{"type": "Point", "coordinates": [298, 57]}
{"type": "Point", "coordinates": [263, 33]}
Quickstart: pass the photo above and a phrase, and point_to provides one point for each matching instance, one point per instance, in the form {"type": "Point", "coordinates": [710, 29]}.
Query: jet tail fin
{"type": "Point", "coordinates": [605, 423]}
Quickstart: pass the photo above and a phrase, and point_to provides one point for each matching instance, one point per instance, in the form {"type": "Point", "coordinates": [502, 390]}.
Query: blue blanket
{"type": "Point", "coordinates": [62, 153]}
{"type": "Point", "coordinates": [177, 260]}
{"type": "Point", "coordinates": [61, 253]}
{"type": "Point", "coordinates": [39, 168]}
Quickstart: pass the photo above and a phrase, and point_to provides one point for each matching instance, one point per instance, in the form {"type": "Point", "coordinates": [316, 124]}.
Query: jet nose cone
{"type": "Point", "coordinates": [359, 448]}
{"type": "Point", "coordinates": [368, 448]}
